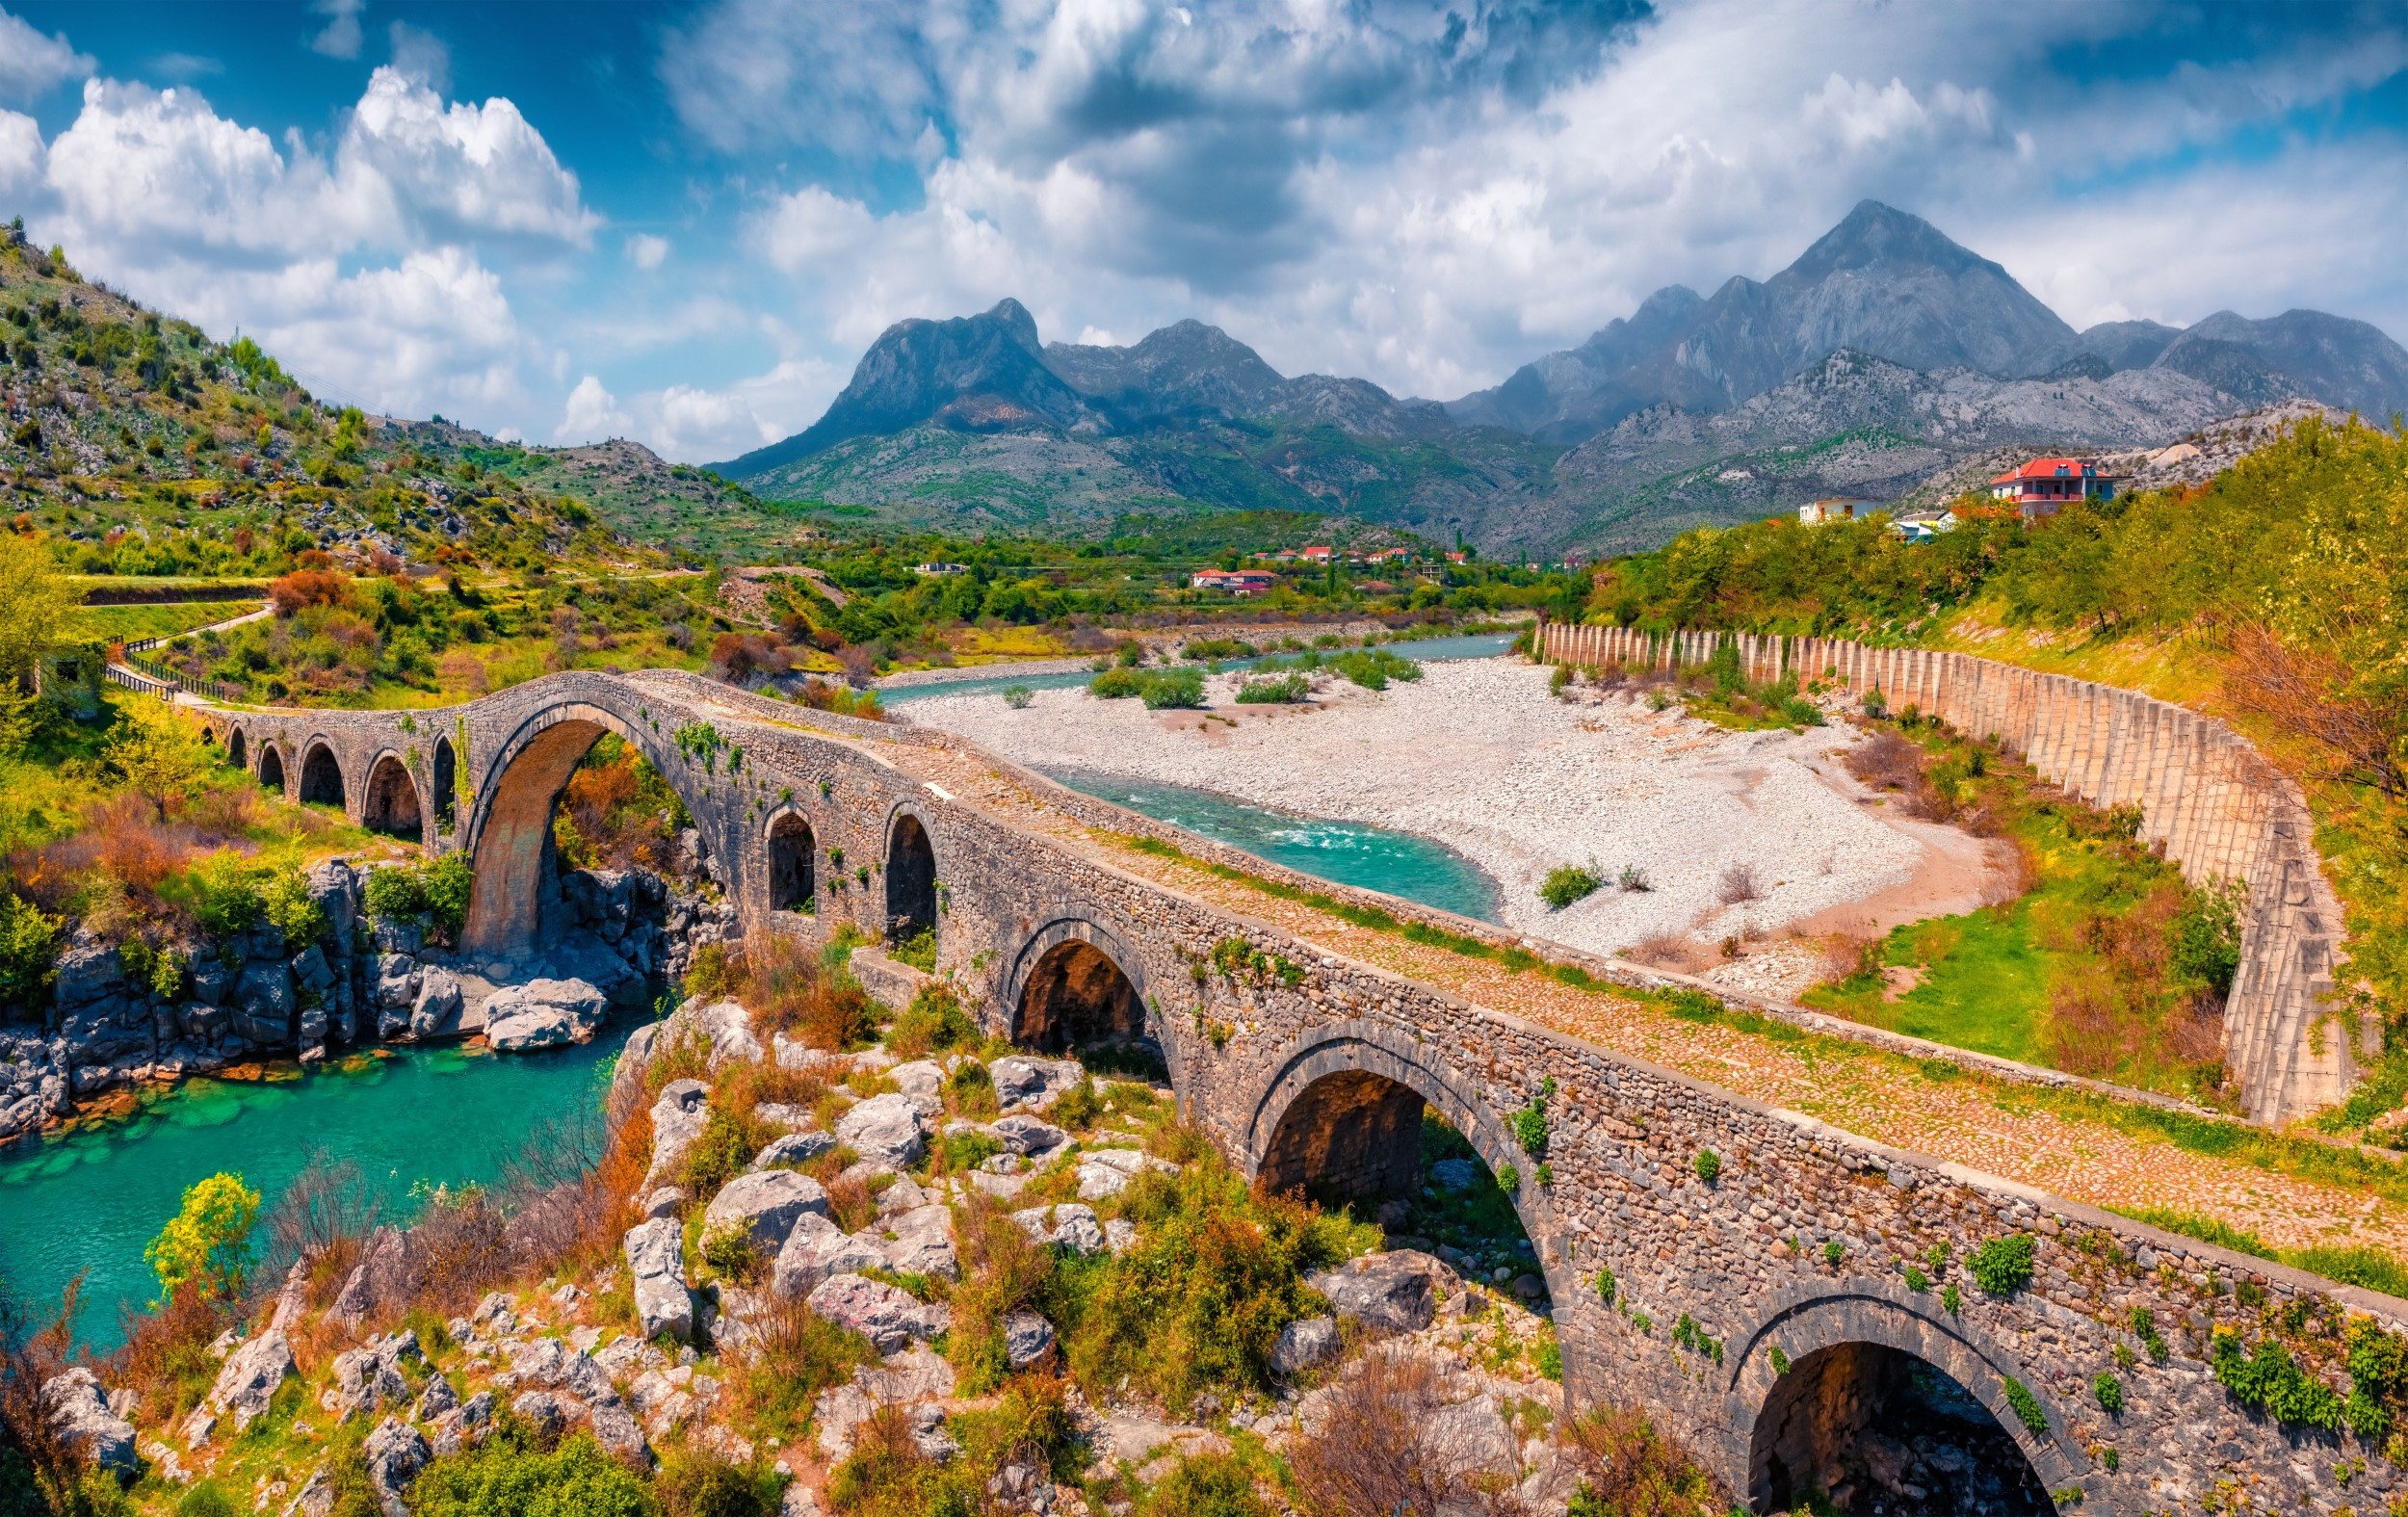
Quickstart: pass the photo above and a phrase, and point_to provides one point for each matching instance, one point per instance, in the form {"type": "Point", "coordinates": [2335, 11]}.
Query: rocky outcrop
{"type": "Point", "coordinates": [80, 1412]}
{"type": "Point", "coordinates": [656, 1267]}
{"type": "Point", "coordinates": [886, 1128]}
{"type": "Point", "coordinates": [1390, 1292]}
{"type": "Point", "coordinates": [885, 1316]}
{"type": "Point", "coordinates": [250, 1380]}
{"type": "Point", "coordinates": [764, 1205]}
{"type": "Point", "coordinates": [256, 995]}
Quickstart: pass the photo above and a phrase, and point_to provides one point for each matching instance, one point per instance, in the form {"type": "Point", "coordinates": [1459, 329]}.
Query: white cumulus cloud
{"type": "Point", "coordinates": [593, 414]}
{"type": "Point", "coordinates": [340, 38]}
{"type": "Point", "coordinates": [31, 64]}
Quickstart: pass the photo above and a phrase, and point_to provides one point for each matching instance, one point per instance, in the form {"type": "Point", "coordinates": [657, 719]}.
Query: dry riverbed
{"type": "Point", "coordinates": [1478, 755]}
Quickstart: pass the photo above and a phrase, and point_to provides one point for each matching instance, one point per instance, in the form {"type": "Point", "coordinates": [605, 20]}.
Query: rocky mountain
{"type": "Point", "coordinates": [1880, 359]}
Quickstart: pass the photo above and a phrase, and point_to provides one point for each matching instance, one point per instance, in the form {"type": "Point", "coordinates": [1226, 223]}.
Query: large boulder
{"type": "Point", "coordinates": [887, 1317]}
{"type": "Point", "coordinates": [88, 973]}
{"type": "Point", "coordinates": [1025, 1135]}
{"type": "Point", "coordinates": [657, 1268]}
{"type": "Point", "coordinates": [264, 1003]}
{"type": "Point", "coordinates": [1028, 1338]}
{"type": "Point", "coordinates": [395, 1453]}
{"type": "Point", "coordinates": [544, 1013]}
{"type": "Point", "coordinates": [1034, 1082]}
{"type": "Point", "coordinates": [790, 1150]}
{"type": "Point", "coordinates": [817, 1249]}
{"type": "Point", "coordinates": [887, 1128]}
{"type": "Point", "coordinates": [924, 1083]}
{"type": "Point", "coordinates": [920, 1242]}
{"type": "Point", "coordinates": [1392, 1293]}
{"type": "Point", "coordinates": [81, 1414]}
{"type": "Point", "coordinates": [1068, 1225]}
{"type": "Point", "coordinates": [1107, 1171]}
{"type": "Point", "coordinates": [729, 1028]}
{"type": "Point", "coordinates": [250, 1377]}
{"type": "Point", "coordinates": [437, 1010]}
{"type": "Point", "coordinates": [1305, 1344]}
{"type": "Point", "coordinates": [678, 1118]}
{"type": "Point", "coordinates": [765, 1205]}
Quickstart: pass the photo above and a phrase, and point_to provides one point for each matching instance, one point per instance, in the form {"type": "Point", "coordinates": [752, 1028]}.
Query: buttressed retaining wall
{"type": "Point", "coordinates": [2222, 811]}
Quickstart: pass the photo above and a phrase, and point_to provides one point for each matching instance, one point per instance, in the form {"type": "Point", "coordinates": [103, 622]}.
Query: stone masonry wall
{"type": "Point", "coordinates": [2219, 808]}
{"type": "Point", "coordinates": [1743, 1257]}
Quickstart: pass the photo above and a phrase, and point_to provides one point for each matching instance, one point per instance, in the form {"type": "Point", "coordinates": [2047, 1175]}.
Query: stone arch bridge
{"type": "Point", "coordinates": [1782, 1275]}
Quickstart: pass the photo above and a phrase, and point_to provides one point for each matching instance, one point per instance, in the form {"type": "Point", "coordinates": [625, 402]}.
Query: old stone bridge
{"type": "Point", "coordinates": [1766, 1312]}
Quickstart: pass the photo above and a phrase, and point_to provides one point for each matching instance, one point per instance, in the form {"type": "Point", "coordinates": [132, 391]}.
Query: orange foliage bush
{"type": "Point", "coordinates": [304, 587]}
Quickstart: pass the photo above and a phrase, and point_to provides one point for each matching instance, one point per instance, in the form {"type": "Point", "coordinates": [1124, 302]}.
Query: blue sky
{"type": "Point", "coordinates": [682, 222]}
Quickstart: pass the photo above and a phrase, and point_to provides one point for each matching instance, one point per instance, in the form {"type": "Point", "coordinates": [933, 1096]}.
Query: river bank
{"type": "Point", "coordinates": [1478, 756]}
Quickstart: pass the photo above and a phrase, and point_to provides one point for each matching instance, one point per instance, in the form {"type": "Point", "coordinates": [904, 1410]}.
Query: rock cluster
{"type": "Point", "coordinates": [254, 994]}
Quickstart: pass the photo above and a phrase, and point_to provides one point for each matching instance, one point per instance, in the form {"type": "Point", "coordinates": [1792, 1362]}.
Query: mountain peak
{"type": "Point", "coordinates": [1874, 236]}
{"type": "Point", "coordinates": [1015, 320]}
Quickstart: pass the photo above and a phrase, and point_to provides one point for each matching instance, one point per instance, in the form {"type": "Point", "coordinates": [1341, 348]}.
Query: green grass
{"type": "Point", "coordinates": [2364, 1265]}
{"type": "Point", "coordinates": [130, 622]}
{"type": "Point", "coordinates": [1984, 987]}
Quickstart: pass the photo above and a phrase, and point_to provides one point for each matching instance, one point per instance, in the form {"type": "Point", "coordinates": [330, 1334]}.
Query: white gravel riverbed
{"type": "Point", "coordinates": [1478, 756]}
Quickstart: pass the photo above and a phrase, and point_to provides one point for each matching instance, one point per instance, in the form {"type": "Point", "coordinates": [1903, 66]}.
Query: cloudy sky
{"type": "Point", "coordinates": [682, 222]}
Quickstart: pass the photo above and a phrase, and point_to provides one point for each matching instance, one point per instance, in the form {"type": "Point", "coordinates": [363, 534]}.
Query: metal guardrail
{"type": "Point", "coordinates": [155, 678]}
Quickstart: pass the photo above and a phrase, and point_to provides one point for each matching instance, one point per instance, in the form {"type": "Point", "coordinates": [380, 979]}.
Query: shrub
{"type": "Point", "coordinates": [1635, 879]}
{"type": "Point", "coordinates": [1567, 883]}
{"type": "Point", "coordinates": [793, 1355]}
{"type": "Point", "coordinates": [1606, 1286]}
{"type": "Point", "coordinates": [1833, 1252]}
{"type": "Point", "coordinates": [2002, 1265]}
{"type": "Point", "coordinates": [1738, 883]}
{"type": "Point", "coordinates": [1118, 683]}
{"type": "Point", "coordinates": [1279, 689]}
{"type": "Point", "coordinates": [1173, 689]}
{"type": "Point", "coordinates": [933, 1021]}
{"type": "Point", "coordinates": [2027, 1405]}
{"type": "Point", "coordinates": [2269, 1380]}
{"type": "Point", "coordinates": [204, 1499]}
{"type": "Point", "coordinates": [1205, 1485]}
{"type": "Point", "coordinates": [1382, 1446]}
{"type": "Point", "coordinates": [1373, 668]}
{"type": "Point", "coordinates": [1018, 696]}
{"type": "Point", "coordinates": [512, 1475]}
{"type": "Point", "coordinates": [2109, 1392]}
{"type": "Point", "coordinates": [2204, 938]}
{"type": "Point", "coordinates": [207, 1243]}
{"type": "Point", "coordinates": [726, 1145]}
{"type": "Point", "coordinates": [395, 894]}
{"type": "Point", "coordinates": [1709, 1164]}
{"type": "Point", "coordinates": [1530, 1127]}
{"type": "Point", "coordinates": [28, 949]}
{"type": "Point", "coordinates": [919, 951]}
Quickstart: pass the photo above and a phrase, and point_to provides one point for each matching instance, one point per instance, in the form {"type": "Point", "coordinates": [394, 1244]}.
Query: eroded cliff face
{"type": "Point", "coordinates": [257, 995]}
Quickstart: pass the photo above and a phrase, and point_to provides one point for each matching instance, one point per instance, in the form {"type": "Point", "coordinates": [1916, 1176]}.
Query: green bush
{"type": "Point", "coordinates": [2109, 1392]}
{"type": "Point", "coordinates": [719, 1155]}
{"type": "Point", "coordinates": [1173, 689]}
{"type": "Point", "coordinates": [204, 1499]}
{"type": "Point", "coordinates": [2204, 938]}
{"type": "Point", "coordinates": [1118, 683]}
{"type": "Point", "coordinates": [1206, 1485]}
{"type": "Point", "coordinates": [1018, 696]}
{"type": "Point", "coordinates": [919, 951]}
{"type": "Point", "coordinates": [2269, 1380]}
{"type": "Point", "coordinates": [1373, 668]}
{"type": "Point", "coordinates": [1709, 1164]}
{"type": "Point", "coordinates": [2002, 1265]}
{"type": "Point", "coordinates": [1205, 649]}
{"type": "Point", "coordinates": [222, 891]}
{"type": "Point", "coordinates": [1277, 691]}
{"type": "Point", "coordinates": [1569, 882]}
{"type": "Point", "coordinates": [1529, 1127]}
{"type": "Point", "coordinates": [2027, 1405]}
{"type": "Point", "coordinates": [28, 949]}
{"type": "Point", "coordinates": [395, 894]}
{"type": "Point", "coordinates": [510, 1476]}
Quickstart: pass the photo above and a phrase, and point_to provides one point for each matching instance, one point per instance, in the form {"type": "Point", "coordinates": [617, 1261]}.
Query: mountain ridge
{"type": "Point", "coordinates": [1190, 413]}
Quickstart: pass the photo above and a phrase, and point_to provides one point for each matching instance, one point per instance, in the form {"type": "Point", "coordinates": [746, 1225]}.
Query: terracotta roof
{"type": "Point", "coordinates": [2041, 469]}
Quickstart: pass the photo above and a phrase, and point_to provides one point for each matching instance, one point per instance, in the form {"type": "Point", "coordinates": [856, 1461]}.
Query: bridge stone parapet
{"type": "Point", "coordinates": [1311, 1069]}
{"type": "Point", "coordinates": [2218, 808]}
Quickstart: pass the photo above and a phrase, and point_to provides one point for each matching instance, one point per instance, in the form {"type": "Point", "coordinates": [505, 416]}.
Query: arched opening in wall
{"type": "Point", "coordinates": [446, 783]}
{"type": "Point", "coordinates": [911, 892]}
{"type": "Point", "coordinates": [1865, 1427]}
{"type": "Point", "coordinates": [270, 768]}
{"type": "Point", "coordinates": [392, 805]}
{"type": "Point", "coordinates": [1371, 1145]}
{"type": "Point", "coordinates": [1076, 997]}
{"type": "Point", "coordinates": [575, 796]}
{"type": "Point", "coordinates": [320, 778]}
{"type": "Point", "coordinates": [792, 885]}
{"type": "Point", "coordinates": [237, 751]}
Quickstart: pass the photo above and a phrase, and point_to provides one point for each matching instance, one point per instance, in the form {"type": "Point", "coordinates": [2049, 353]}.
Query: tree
{"type": "Point", "coordinates": [159, 752]}
{"type": "Point", "coordinates": [206, 1245]}
{"type": "Point", "coordinates": [36, 605]}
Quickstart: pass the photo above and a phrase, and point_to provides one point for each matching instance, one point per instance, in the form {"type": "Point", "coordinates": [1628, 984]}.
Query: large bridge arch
{"type": "Point", "coordinates": [1842, 1347]}
{"type": "Point", "coordinates": [1341, 1116]}
{"type": "Point", "coordinates": [1075, 978]}
{"type": "Point", "coordinates": [509, 831]}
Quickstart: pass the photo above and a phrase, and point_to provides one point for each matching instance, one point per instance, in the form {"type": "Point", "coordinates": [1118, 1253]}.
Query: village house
{"type": "Point", "coordinates": [1237, 582]}
{"type": "Point", "coordinates": [1814, 514]}
{"type": "Point", "coordinates": [2042, 487]}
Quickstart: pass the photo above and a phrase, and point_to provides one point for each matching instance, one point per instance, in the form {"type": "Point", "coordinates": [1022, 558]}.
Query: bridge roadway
{"type": "Point", "coordinates": [1307, 1043]}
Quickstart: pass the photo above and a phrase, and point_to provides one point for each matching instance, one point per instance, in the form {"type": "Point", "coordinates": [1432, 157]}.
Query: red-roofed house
{"type": "Point", "coordinates": [1238, 582]}
{"type": "Point", "coordinates": [2042, 487]}
{"type": "Point", "coordinates": [1320, 555]}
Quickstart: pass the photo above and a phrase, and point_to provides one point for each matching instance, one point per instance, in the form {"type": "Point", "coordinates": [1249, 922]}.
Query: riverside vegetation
{"type": "Point", "coordinates": [2267, 596]}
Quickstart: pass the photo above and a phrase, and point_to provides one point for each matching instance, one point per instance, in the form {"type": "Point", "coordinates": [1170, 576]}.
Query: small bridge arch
{"type": "Point", "coordinates": [1073, 980]}
{"type": "Point", "coordinates": [237, 748]}
{"type": "Point", "coordinates": [271, 767]}
{"type": "Point", "coordinates": [321, 775]}
{"type": "Point", "coordinates": [911, 875]}
{"type": "Point", "coordinates": [792, 846]}
{"type": "Point", "coordinates": [390, 803]}
{"type": "Point", "coordinates": [1859, 1358]}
